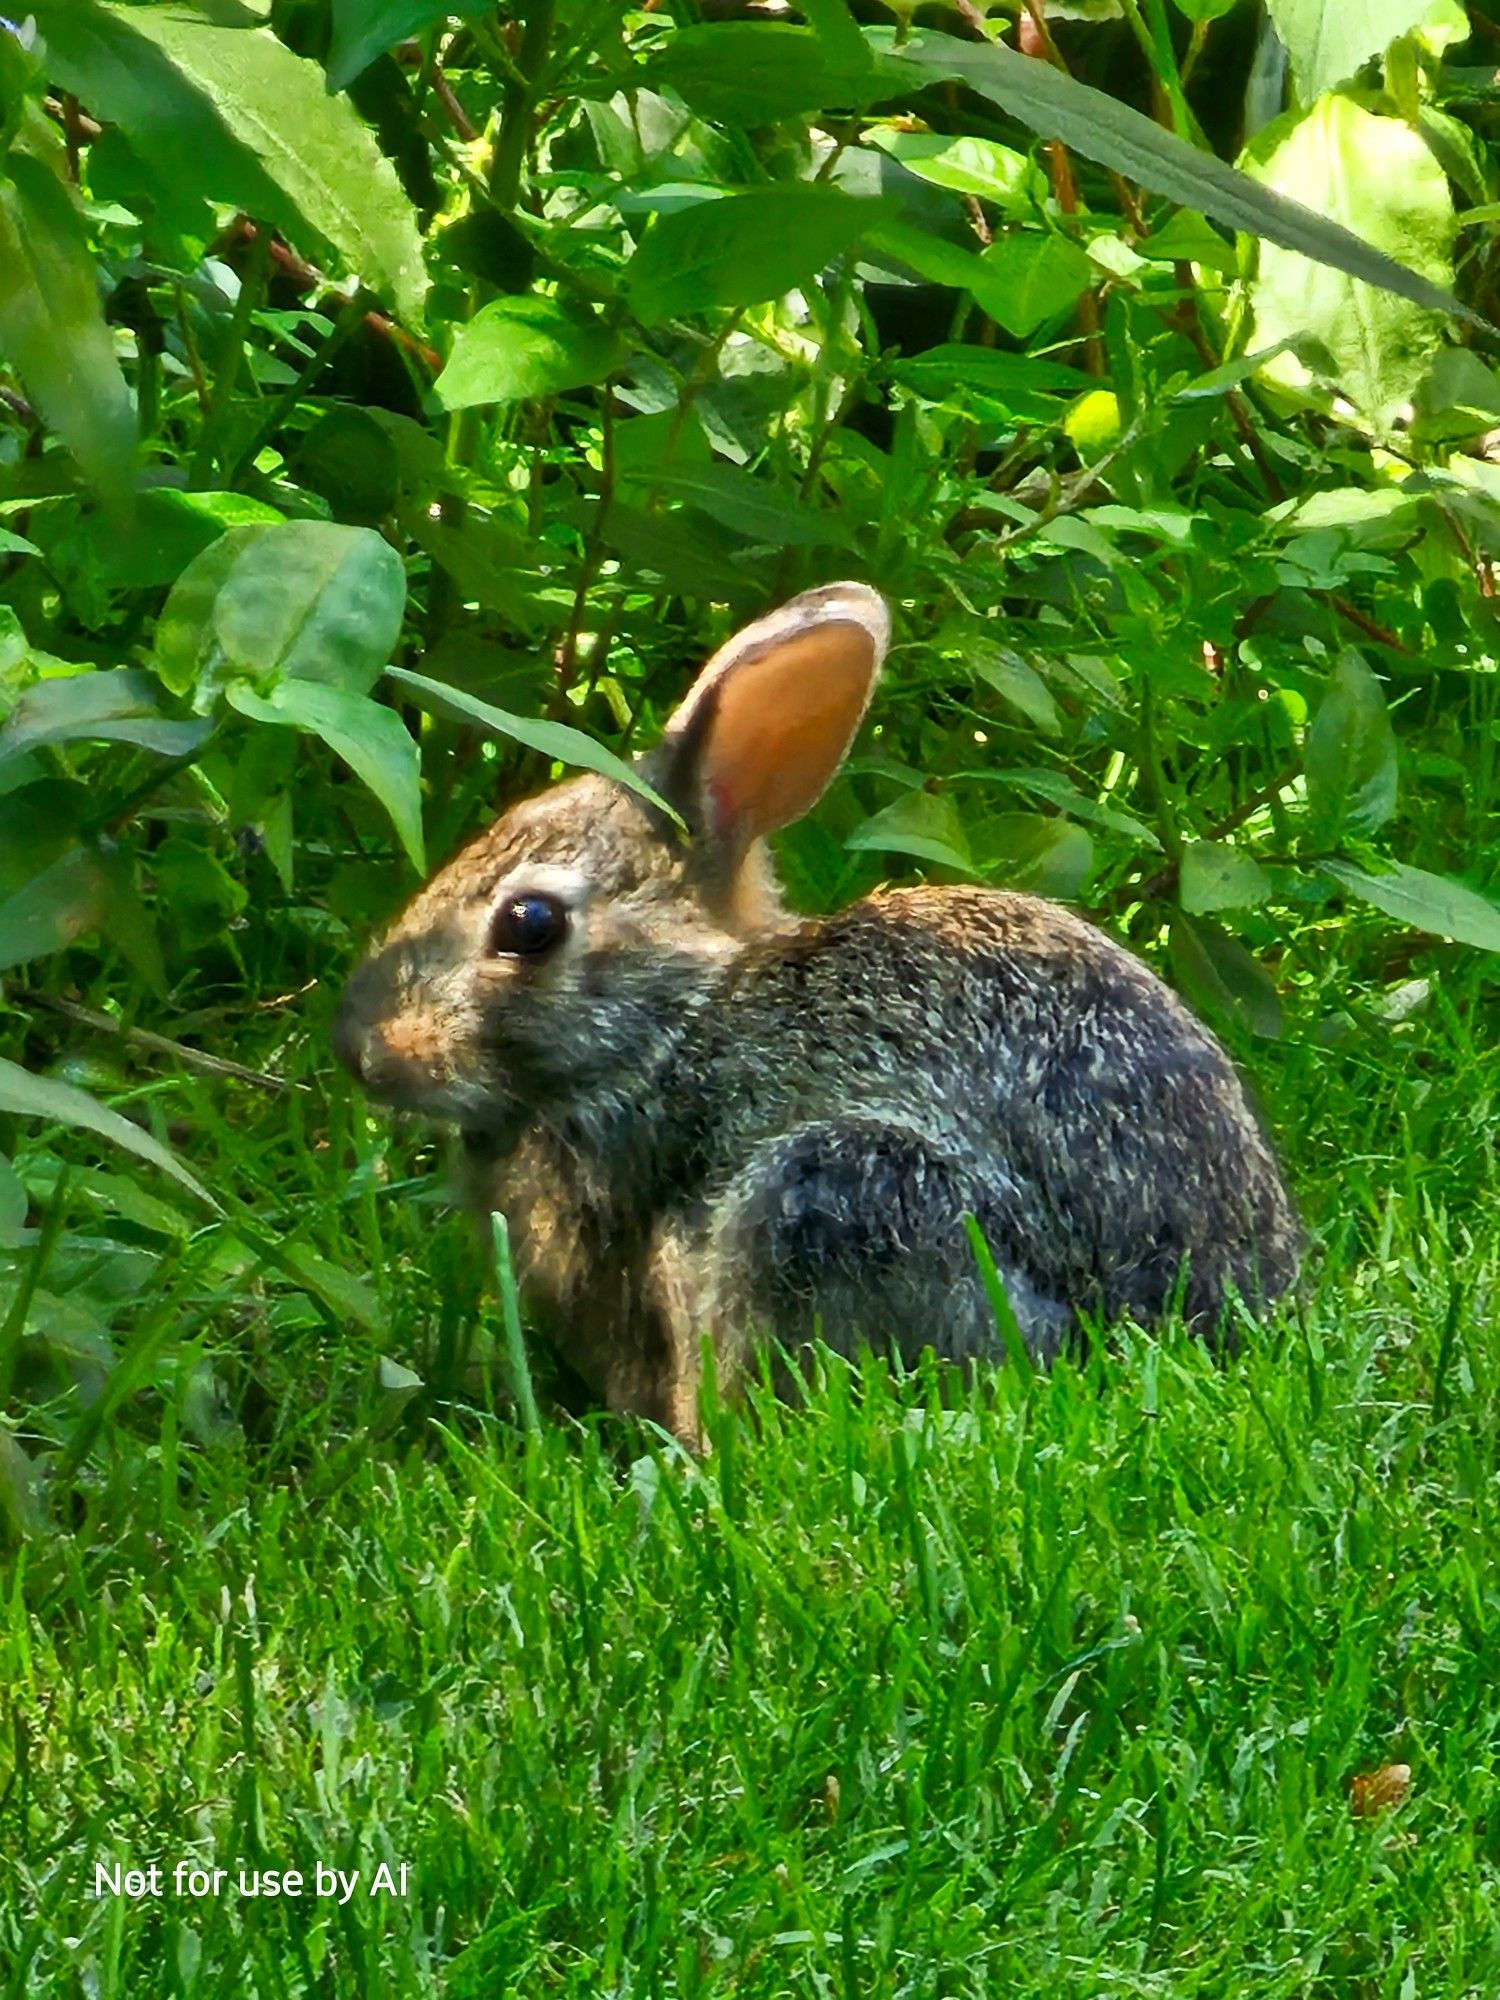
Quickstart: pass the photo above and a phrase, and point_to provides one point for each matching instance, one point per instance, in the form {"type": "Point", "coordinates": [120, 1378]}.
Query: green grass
{"type": "Point", "coordinates": [918, 1688]}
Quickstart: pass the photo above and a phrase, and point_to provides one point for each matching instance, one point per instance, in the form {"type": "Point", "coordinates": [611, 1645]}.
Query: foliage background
{"type": "Point", "coordinates": [396, 402]}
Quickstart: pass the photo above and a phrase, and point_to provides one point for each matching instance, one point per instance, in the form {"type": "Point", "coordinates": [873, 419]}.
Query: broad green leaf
{"type": "Point", "coordinates": [740, 251]}
{"type": "Point", "coordinates": [922, 824]}
{"type": "Point", "coordinates": [118, 705]}
{"type": "Point", "coordinates": [981, 167]}
{"type": "Point", "coordinates": [1427, 902]}
{"type": "Point", "coordinates": [1037, 852]}
{"type": "Point", "coordinates": [1063, 793]}
{"type": "Point", "coordinates": [1188, 238]}
{"type": "Point", "coordinates": [1032, 390]}
{"type": "Point", "coordinates": [187, 654]}
{"type": "Point", "coordinates": [766, 72]}
{"type": "Point", "coordinates": [515, 349]}
{"type": "Point", "coordinates": [1459, 396]}
{"type": "Point", "coordinates": [1377, 176]}
{"type": "Point", "coordinates": [1215, 876]}
{"type": "Point", "coordinates": [299, 600]}
{"type": "Point", "coordinates": [1350, 756]}
{"type": "Point", "coordinates": [1220, 976]}
{"type": "Point", "coordinates": [550, 739]}
{"type": "Point", "coordinates": [166, 529]}
{"type": "Point", "coordinates": [255, 121]}
{"type": "Point", "coordinates": [85, 889]}
{"type": "Point", "coordinates": [1114, 135]}
{"type": "Point", "coordinates": [1020, 280]}
{"type": "Point", "coordinates": [837, 29]}
{"type": "Point", "coordinates": [371, 739]}
{"type": "Point", "coordinates": [52, 326]}
{"type": "Point", "coordinates": [364, 29]}
{"type": "Point", "coordinates": [1199, 11]}
{"type": "Point", "coordinates": [1038, 276]}
{"type": "Point", "coordinates": [24, 1095]}
{"type": "Point", "coordinates": [16, 545]}
{"type": "Point", "coordinates": [1017, 682]}
{"type": "Point", "coordinates": [752, 507]}
{"type": "Point", "coordinates": [347, 1296]}
{"type": "Point", "coordinates": [1329, 41]}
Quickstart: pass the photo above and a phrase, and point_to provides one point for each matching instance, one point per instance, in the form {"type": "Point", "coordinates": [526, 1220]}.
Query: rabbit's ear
{"type": "Point", "coordinates": [771, 717]}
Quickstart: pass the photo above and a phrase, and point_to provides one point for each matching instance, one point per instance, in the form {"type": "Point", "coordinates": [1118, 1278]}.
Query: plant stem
{"type": "Point", "coordinates": [252, 285]}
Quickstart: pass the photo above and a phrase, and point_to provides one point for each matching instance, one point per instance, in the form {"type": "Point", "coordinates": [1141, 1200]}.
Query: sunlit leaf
{"type": "Point", "coordinates": [923, 824]}
{"type": "Point", "coordinates": [552, 739]}
{"type": "Point", "coordinates": [524, 347]}
{"type": "Point", "coordinates": [1377, 176]}
{"type": "Point", "coordinates": [1115, 135]}
{"type": "Point", "coordinates": [300, 600]}
{"type": "Point", "coordinates": [1215, 876]}
{"type": "Point", "coordinates": [1350, 756]}
{"type": "Point", "coordinates": [255, 121]}
{"type": "Point", "coordinates": [52, 325]}
{"type": "Point", "coordinates": [740, 250]}
{"type": "Point", "coordinates": [363, 29]}
{"type": "Point", "coordinates": [1328, 41]}
{"type": "Point", "coordinates": [120, 705]}
{"type": "Point", "coordinates": [1427, 902]}
{"type": "Point", "coordinates": [371, 739]}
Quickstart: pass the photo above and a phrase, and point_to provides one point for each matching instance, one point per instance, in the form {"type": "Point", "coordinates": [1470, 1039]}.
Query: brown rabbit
{"type": "Point", "coordinates": [704, 1116]}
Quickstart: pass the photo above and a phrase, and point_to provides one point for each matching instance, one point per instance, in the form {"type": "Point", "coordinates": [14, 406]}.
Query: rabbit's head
{"type": "Point", "coordinates": [567, 943]}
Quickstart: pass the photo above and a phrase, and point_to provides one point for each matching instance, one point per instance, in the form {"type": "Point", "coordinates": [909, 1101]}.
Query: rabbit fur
{"type": "Point", "coordinates": [705, 1117]}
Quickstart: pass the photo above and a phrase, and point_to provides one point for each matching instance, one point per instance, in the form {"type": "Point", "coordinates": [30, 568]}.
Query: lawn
{"type": "Point", "coordinates": [922, 1687]}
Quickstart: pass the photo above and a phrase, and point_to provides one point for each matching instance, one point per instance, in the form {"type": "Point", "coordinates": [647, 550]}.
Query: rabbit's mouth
{"type": "Point", "coordinates": [400, 1070]}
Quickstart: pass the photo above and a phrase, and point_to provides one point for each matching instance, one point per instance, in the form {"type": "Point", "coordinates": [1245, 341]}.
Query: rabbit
{"type": "Point", "coordinates": [705, 1117]}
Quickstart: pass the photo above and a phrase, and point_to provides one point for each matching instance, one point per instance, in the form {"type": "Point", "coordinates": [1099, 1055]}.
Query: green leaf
{"type": "Point", "coordinates": [1458, 398]}
{"type": "Point", "coordinates": [1215, 876]}
{"type": "Point", "coordinates": [166, 529]}
{"type": "Point", "coordinates": [551, 739]}
{"type": "Point", "coordinates": [1220, 976]}
{"type": "Point", "coordinates": [1427, 902]}
{"type": "Point", "coordinates": [52, 326]}
{"type": "Point", "coordinates": [85, 889]}
{"type": "Point", "coordinates": [1201, 11]}
{"type": "Point", "coordinates": [1058, 107]}
{"type": "Point", "coordinates": [371, 739]}
{"type": "Point", "coordinates": [1037, 852]}
{"type": "Point", "coordinates": [766, 72]}
{"type": "Point", "coordinates": [255, 122]}
{"type": "Point", "coordinates": [1376, 175]}
{"type": "Point", "coordinates": [1038, 276]}
{"type": "Point", "coordinates": [117, 705]}
{"type": "Point", "coordinates": [923, 824]}
{"type": "Point", "coordinates": [299, 600]}
{"type": "Point", "coordinates": [1016, 681]}
{"type": "Point", "coordinates": [24, 1095]}
{"type": "Point", "coordinates": [16, 545]}
{"type": "Point", "coordinates": [1350, 756]}
{"type": "Point", "coordinates": [1031, 390]}
{"type": "Point", "coordinates": [741, 250]}
{"type": "Point", "coordinates": [1020, 280]}
{"type": "Point", "coordinates": [364, 29]}
{"type": "Point", "coordinates": [519, 348]}
{"type": "Point", "coordinates": [1328, 41]}
{"type": "Point", "coordinates": [752, 507]}
{"type": "Point", "coordinates": [981, 167]}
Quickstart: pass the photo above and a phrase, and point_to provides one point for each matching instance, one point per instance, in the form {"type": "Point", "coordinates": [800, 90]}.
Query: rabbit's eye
{"type": "Point", "coordinates": [523, 926]}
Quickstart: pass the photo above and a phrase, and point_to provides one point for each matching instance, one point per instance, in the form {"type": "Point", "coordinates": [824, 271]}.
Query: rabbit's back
{"type": "Point", "coordinates": [1107, 1123]}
